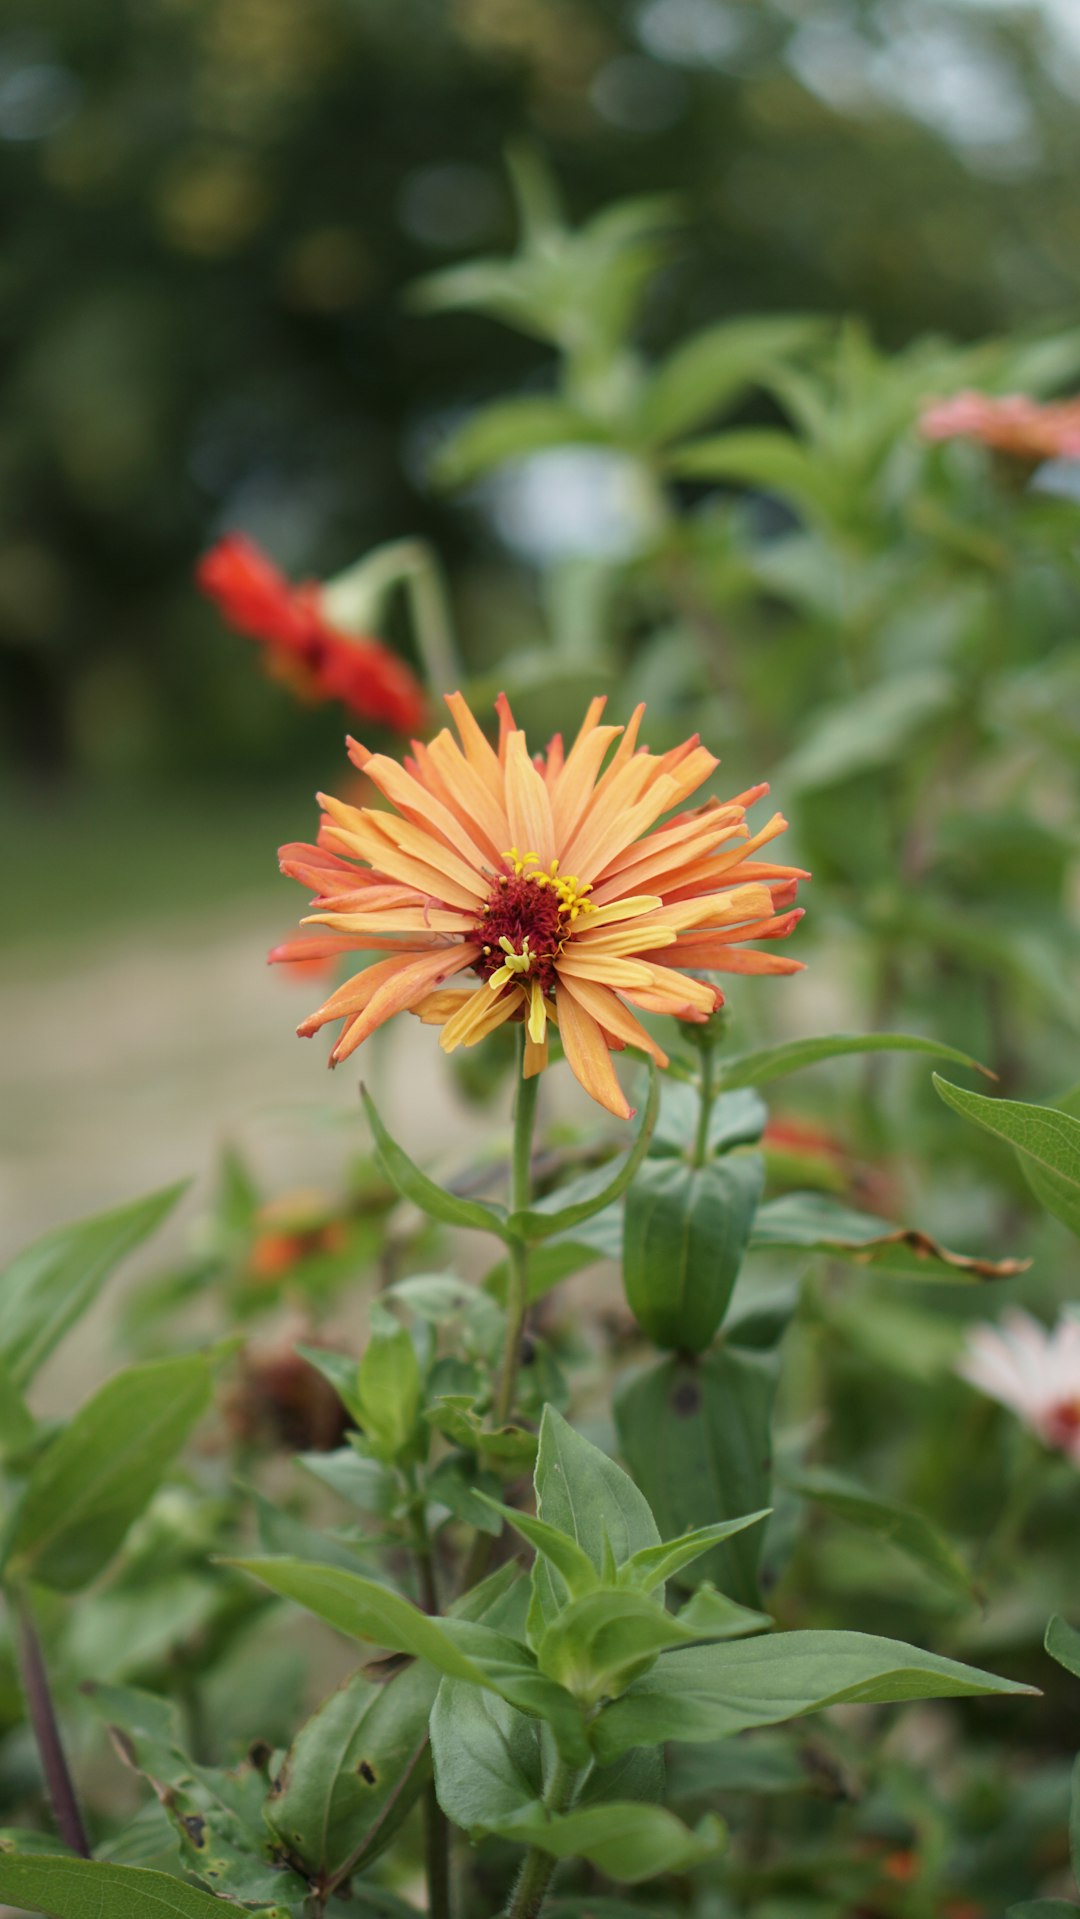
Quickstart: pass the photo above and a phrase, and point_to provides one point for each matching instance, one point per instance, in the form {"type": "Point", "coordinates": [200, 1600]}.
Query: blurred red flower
{"type": "Point", "coordinates": [302, 647]}
{"type": "Point", "coordinates": [1010, 423]}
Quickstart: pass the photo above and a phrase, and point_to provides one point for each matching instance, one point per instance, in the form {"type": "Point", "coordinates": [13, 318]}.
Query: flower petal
{"type": "Point", "coordinates": [587, 1054]}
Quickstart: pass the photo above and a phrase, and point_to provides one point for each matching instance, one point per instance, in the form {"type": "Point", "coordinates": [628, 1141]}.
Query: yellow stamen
{"type": "Point", "coordinates": [519, 861]}
{"type": "Point", "coordinates": [570, 893]}
{"type": "Point", "coordinates": [514, 963]}
{"type": "Point", "coordinates": [537, 1014]}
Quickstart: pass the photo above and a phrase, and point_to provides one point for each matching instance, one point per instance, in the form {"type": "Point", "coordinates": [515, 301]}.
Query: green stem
{"type": "Point", "coordinates": [353, 598]}
{"type": "Point", "coordinates": [708, 1095]}
{"type": "Point", "coordinates": [436, 1824]}
{"type": "Point", "coordinates": [517, 1292]}
{"type": "Point", "coordinates": [539, 1867]}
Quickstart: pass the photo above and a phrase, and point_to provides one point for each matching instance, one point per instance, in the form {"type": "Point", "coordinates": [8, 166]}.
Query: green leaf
{"type": "Point", "coordinates": [712, 1615]}
{"type": "Point", "coordinates": [1044, 1909]}
{"type": "Point", "coordinates": [628, 1842]}
{"type": "Point", "coordinates": [596, 1646]}
{"type": "Point", "coordinates": [538, 1223]}
{"type": "Point", "coordinates": [572, 1564]}
{"type": "Point", "coordinates": [584, 1494]}
{"type": "Point", "coordinates": [914, 1535]}
{"type": "Point", "coordinates": [102, 1470]}
{"type": "Point", "coordinates": [1063, 1644]}
{"type": "Point", "coordinates": [655, 1565]}
{"type": "Point", "coordinates": [735, 1119]}
{"type": "Point", "coordinates": [17, 1426]}
{"type": "Point", "coordinates": [867, 731]}
{"type": "Point", "coordinates": [714, 368]}
{"type": "Point", "coordinates": [216, 1814]}
{"type": "Point", "coordinates": [685, 1234]}
{"type": "Point", "coordinates": [86, 1889]}
{"type": "Point", "coordinates": [459, 1484]}
{"type": "Point", "coordinates": [457, 1647]}
{"type": "Point", "coordinates": [487, 1756]}
{"type": "Point", "coordinates": [1046, 1141]}
{"type": "Point", "coordinates": [763, 457]}
{"type": "Point", "coordinates": [1074, 1820]}
{"type": "Point", "coordinates": [773, 1062]}
{"type": "Point", "coordinates": [341, 1370]}
{"type": "Point", "coordinates": [478, 1215]}
{"type": "Point", "coordinates": [698, 1440]}
{"type": "Point", "coordinates": [364, 1483]}
{"type": "Point", "coordinates": [388, 1394]}
{"type": "Point", "coordinates": [712, 1692]}
{"type": "Point", "coordinates": [454, 1414]}
{"type": "Point", "coordinates": [511, 430]}
{"type": "Point", "coordinates": [49, 1285]}
{"type": "Point", "coordinates": [353, 1771]}
{"type": "Point", "coordinates": [814, 1222]}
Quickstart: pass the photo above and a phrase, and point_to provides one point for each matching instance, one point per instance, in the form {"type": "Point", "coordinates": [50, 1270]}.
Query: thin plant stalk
{"type": "Point", "coordinates": [517, 1292]}
{"type": "Point", "coordinates": [538, 1869]}
{"type": "Point", "coordinates": [39, 1704]}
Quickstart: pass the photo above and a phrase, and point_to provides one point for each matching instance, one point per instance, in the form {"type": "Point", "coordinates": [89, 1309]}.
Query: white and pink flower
{"type": "Point", "coordinates": [1033, 1370]}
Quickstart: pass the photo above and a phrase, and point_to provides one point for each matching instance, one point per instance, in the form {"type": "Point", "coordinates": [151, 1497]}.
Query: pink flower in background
{"type": "Point", "coordinates": [1010, 423]}
{"type": "Point", "coordinates": [1034, 1371]}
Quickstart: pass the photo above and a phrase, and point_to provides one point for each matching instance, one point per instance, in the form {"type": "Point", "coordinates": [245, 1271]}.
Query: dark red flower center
{"type": "Point", "coordinates": [520, 910]}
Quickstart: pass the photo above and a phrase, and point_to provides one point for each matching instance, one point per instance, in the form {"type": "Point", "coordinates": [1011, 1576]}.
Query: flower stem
{"type": "Point", "coordinates": [436, 1824]}
{"type": "Point", "coordinates": [708, 1095]}
{"type": "Point", "coordinates": [39, 1704]}
{"type": "Point", "coordinates": [517, 1293]}
{"type": "Point", "coordinates": [539, 1868]}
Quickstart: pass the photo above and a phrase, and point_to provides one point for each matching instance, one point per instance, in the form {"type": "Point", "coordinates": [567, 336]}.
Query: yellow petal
{"type": "Point", "coordinates": [480, 1015]}
{"type": "Point", "coordinates": [537, 1013]}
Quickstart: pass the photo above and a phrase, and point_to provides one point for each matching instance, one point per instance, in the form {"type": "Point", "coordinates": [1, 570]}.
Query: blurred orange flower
{"type": "Point", "coordinates": [312, 656]}
{"type": "Point", "coordinates": [1011, 423]}
{"type": "Point", "coordinates": [549, 879]}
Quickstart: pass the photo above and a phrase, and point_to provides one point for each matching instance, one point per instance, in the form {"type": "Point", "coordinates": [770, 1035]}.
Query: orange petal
{"type": "Point", "coordinates": [615, 1018]}
{"type": "Point", "coordinates": [478, 750]}
{"type": "Point", "coordinates": [587, 1054]}
{"type": "Point", "coordinates": [413, 981]}
{"type": "Point", "coordinates": [527, 804]}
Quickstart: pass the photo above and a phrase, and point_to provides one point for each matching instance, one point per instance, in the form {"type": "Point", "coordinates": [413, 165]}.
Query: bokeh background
{"type": "Point", "coordinates": [212, 212]}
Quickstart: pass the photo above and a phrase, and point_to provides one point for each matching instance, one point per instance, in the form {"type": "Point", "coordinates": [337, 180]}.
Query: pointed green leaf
{"type": "Point", "coordinates": [1063, 1644]}
{"type": "Point", "coordinates": [817, 1223]}
{"type": "Point", "coordinates": [478, 1215]}
{"type": "Point", "coordinates": [455, 1646]}
{"type": "Point", "coordinates": [712, 370]}
{"type": "Point", "coordinates": [537, 1223]}
{"type": "Point", "coordinates": [711, 1692]}
{"type": "Point", "coordinates": [587, 1496]}
{"type": "Point", "coordinates": [767, 1063]}
{"type": "Point", "coordinates": [628, 1843]}
{"type": "Point", "coordinates": [909, 1531]}
{"type": "Point", "coordinates": [388, 1394]}
{"type": "Point", "coordinates": [1046, 1141]}
{"type": "Point", "coordinates": [48, 1286]}
{"type": "Point", "coordinates": [655, 1565]}
{"type": "Point", "coordinates": [596, 1646]}
{"type": "Point", "coordinates": [712, 1615]}
{"type": "Point", "coordinates": [86, 1889]}
{"type": "Point", "coordinates": [102, 1470]}
{"type": "Point", "coordinates": [574, 1565]}
{"type": "Point", "coordinates": [511, 430]}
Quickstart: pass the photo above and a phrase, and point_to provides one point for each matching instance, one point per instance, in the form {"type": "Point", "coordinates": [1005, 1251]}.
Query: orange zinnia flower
{"type": "Point", "coordinates": [551, 881]}
{"type": "Point", "coordinates": [1011, 423]}
{"type": "Point", "coordinates": [303, 647]}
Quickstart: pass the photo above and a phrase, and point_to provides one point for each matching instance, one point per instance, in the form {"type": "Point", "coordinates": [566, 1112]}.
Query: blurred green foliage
{"type": "Point", "coordinates": [211, 208]}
